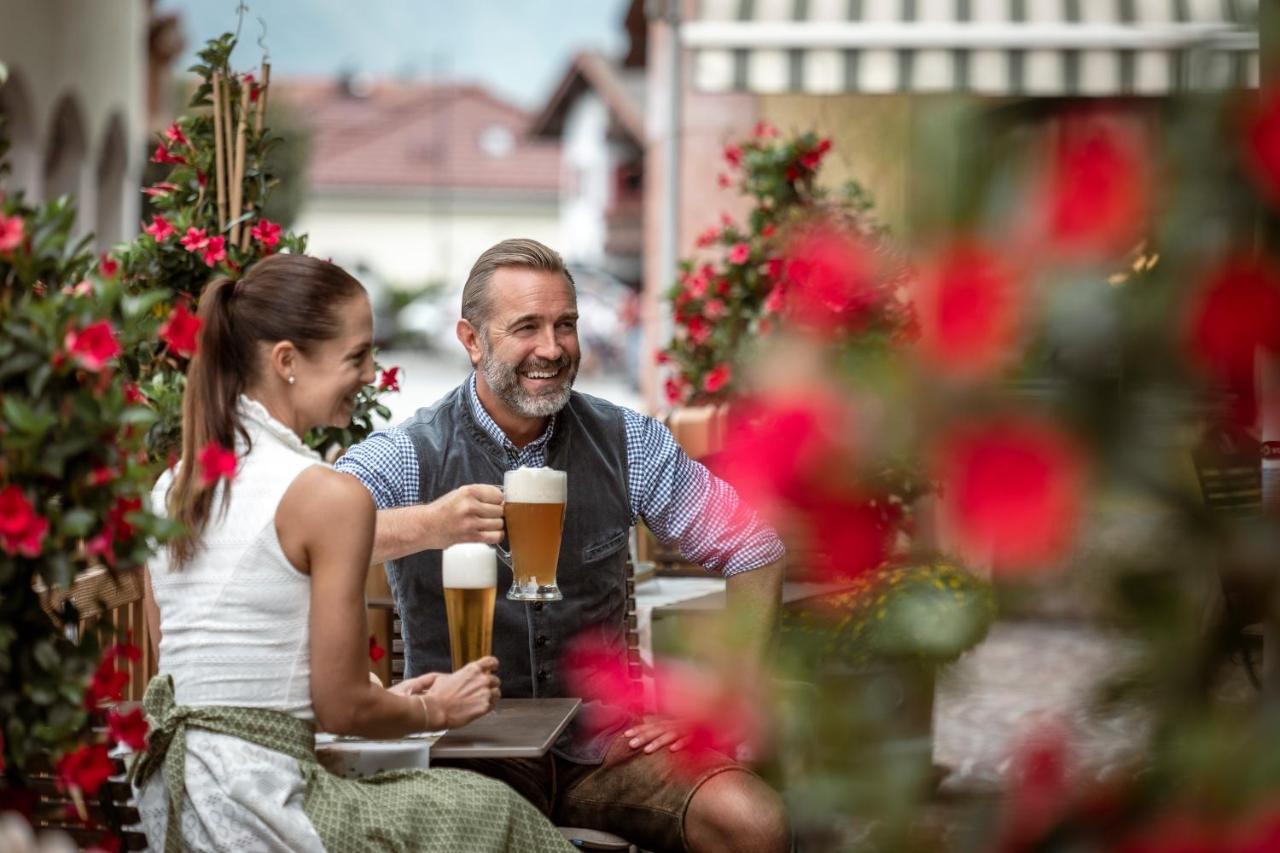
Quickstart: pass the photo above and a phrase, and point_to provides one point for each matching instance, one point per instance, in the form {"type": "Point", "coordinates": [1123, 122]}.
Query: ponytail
{"type": "Point", "coordinates": [208, 414]}
{"type": "Point", "coordinates": [280, 298]}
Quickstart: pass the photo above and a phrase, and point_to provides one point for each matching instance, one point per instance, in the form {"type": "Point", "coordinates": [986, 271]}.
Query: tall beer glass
{"type": "Point", "coordinates": [534, 500]}
{"type": "Point", "coordinates": [470, 591]}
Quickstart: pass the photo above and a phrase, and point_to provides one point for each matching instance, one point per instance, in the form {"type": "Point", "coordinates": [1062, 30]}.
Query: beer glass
{"type": "Point", "coordinates": [470, 591]}
{"type": "Point", "coordinates": [534, 500]}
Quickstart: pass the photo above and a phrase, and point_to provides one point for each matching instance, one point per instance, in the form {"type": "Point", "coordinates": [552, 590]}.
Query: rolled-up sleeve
{"type": "Point", "coordinates": [387, 464]}
{"type": "Point", "coordinates": [689, 508]}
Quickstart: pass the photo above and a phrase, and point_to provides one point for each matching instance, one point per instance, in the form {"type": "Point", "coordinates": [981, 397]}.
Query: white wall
{"type": "Point", "coordinates": [413, 241]}
{"type": "Point", "coordinates": [89, 60]}
{"type": "Point", "coordinates": [586, 180]}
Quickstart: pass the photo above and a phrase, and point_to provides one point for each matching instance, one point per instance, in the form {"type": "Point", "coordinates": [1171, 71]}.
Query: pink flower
{"type": "Point", "coordinates": [181, 332]}
{"type": "Point", "coordinates": [696, 286]}
{"type": "Point", "coordinates": [129, 729]}
{"type": "Point", "coordinates": [813, 158]}
{"type": "Point", "coordinates": [93, 346]}
{"type": "Point", "coordinates": [107, 684]}
{"type": "Point", "coordinates": [161, 189]}
{"type": "Point", "coordinates": [86, 769]}
{"type": "Point", "coordinates": [708, 237]}
{"type": "Point", "coordinates": [216, 463]}
{"type": "Point", "coordinates": [12, 232]}
{"type": "Point", "coordinates": [830, 280]}
{"type": "Point", "coordinates": [390, 380]}
{"type": "Point", "coordinates": [764, 130]}
{"type": "Point", "coordinates": [724, 181]}
{"type": "Point", "coordinates": [195, 239]}
{"type": "Point", "coordinates": [1096, 189]}
{"type": "Point", "coordinates": [1012, 490]}
{"type": "Point", "coordinates": [717, 378]}
{"type": "Point", "coordinates": [776, 300]}
{"type": "Point", "coordinates": [133, 394]}
{"type": "Point", "coordinates": [674, 390]}
{"type": "Point", "coordinates": [214, 251]}
{"type": "Point", "coordinates": [661, 357]}
{"type": "Point", "coordinates": [159, 228]}
{"type": "Point", "coordinates": [266, 232]}
{"type": "Point", "coordinates": [733, 155]}
{"type": "Point", "coordinates": [376, 652]}
{"type": "Point", "coordinates": [713, 309]}
{"type": "Point", "coordinates": [108, 266]}
{"type": "Point", "coordinates": [767, 230]}
{"type": "Point", "coordinates": [739, 253]}
{"type": "Point", "coordinates": [175, 135]}
{"type": "Point", "coordinates": [699, 330]}
{"type": "Point", "coordinates": [970, 311]}
{"type": "Point", "coordinates": [163, 156]}
{"type": "Point", "coordinates": [22, 529]}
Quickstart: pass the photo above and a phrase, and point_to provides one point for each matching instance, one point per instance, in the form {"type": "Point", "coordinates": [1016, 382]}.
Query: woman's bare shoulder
{"type": "Point", "coordinates": [322, 495]}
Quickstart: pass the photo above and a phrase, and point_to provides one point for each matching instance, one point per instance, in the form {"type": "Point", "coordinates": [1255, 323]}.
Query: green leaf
{"type": "Point", "coordinates": [25, 419]}
{"type": "Point", "coordinates": [46, 655]}
{"type": "Point", "coordinates": [136, 306]}
{"type": "Point", "coordinates": [77, 522]}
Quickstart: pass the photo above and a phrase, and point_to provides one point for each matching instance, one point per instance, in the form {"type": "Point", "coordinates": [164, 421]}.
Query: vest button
{"type": "Point", "coordinates": [540, 640]}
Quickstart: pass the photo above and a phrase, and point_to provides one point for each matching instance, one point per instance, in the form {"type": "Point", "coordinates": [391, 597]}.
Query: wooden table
{"type": "Point", "coordinates": [516, 728]}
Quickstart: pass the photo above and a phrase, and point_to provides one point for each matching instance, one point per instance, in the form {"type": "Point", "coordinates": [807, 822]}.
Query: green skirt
{"type": "Point", "coordinates": [402, 810]}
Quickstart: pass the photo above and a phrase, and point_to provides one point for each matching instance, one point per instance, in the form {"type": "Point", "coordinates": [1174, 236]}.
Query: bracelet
{"type": "Point", "coordinates": [426, 715]}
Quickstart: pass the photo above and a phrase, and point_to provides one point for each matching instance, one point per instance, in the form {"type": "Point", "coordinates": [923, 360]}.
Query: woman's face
{"type": "Point", "coordinates": [330, 377]}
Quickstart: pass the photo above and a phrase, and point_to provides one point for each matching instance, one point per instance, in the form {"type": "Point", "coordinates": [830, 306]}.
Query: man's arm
{"type": "Point", "coordinates": [753, 600]}
{"type": "Point", "coordinates": [467, 514]}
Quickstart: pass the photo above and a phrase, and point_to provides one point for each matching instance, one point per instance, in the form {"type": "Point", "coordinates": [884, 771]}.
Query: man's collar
{"type": "Point", "coordinates": [490, 426]}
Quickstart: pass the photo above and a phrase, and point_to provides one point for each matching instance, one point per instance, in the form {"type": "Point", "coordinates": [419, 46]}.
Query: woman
{"type": "Point", "coordinates": [270, 577]}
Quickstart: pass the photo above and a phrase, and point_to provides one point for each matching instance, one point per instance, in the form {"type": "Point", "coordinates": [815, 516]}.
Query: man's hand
{"type": "Point", "coordinates": [467, 514]}
{"type": "Point", "coordinates": [658, 732]}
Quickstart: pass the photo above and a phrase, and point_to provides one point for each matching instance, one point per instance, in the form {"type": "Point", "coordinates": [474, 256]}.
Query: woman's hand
{"type": "Point", "coordinates": [459, 697]}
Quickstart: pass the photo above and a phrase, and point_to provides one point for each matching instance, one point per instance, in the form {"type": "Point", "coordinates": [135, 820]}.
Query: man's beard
{"type": "Point", "coordinates": [504, 380]}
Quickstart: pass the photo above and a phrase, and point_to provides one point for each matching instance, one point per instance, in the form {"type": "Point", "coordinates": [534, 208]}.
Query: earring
{"type": "Point", "coordinates": [292, 379]}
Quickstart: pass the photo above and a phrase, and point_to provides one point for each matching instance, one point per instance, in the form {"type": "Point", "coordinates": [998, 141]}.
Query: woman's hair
{"type": "Point", "coordinates": [281, 298]}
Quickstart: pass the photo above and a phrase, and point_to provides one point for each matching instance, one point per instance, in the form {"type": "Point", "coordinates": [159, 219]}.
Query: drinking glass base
{"type": "Point", "coordinates": [534, 592]}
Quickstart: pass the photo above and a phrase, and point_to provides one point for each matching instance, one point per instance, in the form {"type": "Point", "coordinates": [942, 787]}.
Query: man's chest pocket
{"type": "Point", "coordinates": [603, 574]}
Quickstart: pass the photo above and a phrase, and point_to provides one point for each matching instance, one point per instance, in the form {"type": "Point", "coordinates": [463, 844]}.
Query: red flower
{"type": "Point", "coordinates": [214, 251]}
{"type": "Point", "coordinates": [733, 155]}
{"type": "Point", "coordinates": [726, 221]}
{"type": "Point", "coordinates": [129, 729]}
{"type": "Point", "coordinates": [1235, 312]}
{"type": "Point", "coordinates": [767, 230]}
{"type": "Point", "coordinates": [181, 332]}
{"type": "Point", "coordinates": [696, 286]}
{"type": "Point", "coordinates": [390, 380]}
{"type": "Point", "coordinates": [195, 239]}
{"type": "Point", "coordinates": [724, 181]}
{"type": "Point", "coordinates": [175, 135]}
{"type": "Point", "coordinates": [254, 89]}
{"type": "Point", "coordinates": [133, 394]}
{"type": "Point", "coordinates": [93, 346]}
{"type": "Point", "coordinates": [776, 300]}
{"type": "Point", "coordinates": [699, 330]}
{"type": "Point", "coordinates": [216, 463]}
{"type": "Point", "coordinates": [674, 389]}
{"type": "Point", "coordinates": [1039, 787]}
{"type": "Point", "coordinates": [830, 280]}
{"type": "Point", "coordinates": [1262, 143]}
{"type": "Point", "coordinates": [791, 173]}
{"type": "Point", "coordinates": [813, 158]}
{"type": "Point", "coordinates": [1096, 189]}
{"type": "Point", "coordinates": [86, 769]}
{"type": "Point", "coordinates": [970, 311]}
{"type": "Point", "coordinates": [717, 378]}
{"type": "Point", "coordinates": [764, 130]}
{"type": "Point", "coordinates": [126, 650]}
{"type": "Point", "coordinates": [376, 652]}
{"type": "Point", "coordinates": [739, 253]}
{"type": "Point", "coordinates": [160, 190]}
{"type": "Point", "coordinates": [202, 180]}
{"type": "Point", "coordinates": [22, 529]}
{"type": "Point", "coordinates": [713, 309]}
{"type": "Point", "coordinates": [159, 228]}
{"type": "Point", "coordinates": [107, 684]}
{"type": "Point", "coordinates": [12, 232]}
{"type": "Point", "coordinates": [1011, 489]}
{"type": "Point", "coordinates": [661, 357]}
{"type": "Point", "coordinates": [164, 156]}
{"type": "Point", "coordinates": [851, 535]}
{"type": "Point", "coordinates": [266, 232]}
{"type": "Point", "coordinates": [101, 475]}
{"type": "Point", "coordinates": [108, 266]}
{"type": "Point", "coordinates": [708, 237]}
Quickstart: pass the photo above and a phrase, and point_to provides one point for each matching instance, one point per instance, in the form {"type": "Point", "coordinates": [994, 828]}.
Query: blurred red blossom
{"type": "Point", "coordinates": [673, 388]}
{"type": "Point", "coordinates": [1039, 784]}
{"type": "Point", "coordinates": [699, 329]}
{"type": "Point", "coordinates": [160, 229]}
{"type": "Point", "coordinates": [86, 768]}
{"type": "Point", "coordinates": [969, 309]}
{"type": "Point", "coordinates": [22, 529]}
{"type": "Point", "coordinates": [195, 239]}
{"type": "Point", "coordinates": [389, 380]}
{"type": "Point", "coordinates": [376, 652]}
{"type": "Point", "coordinates": [216, 462]}
{"type": "Point", "coordinates": [12, 232]}
{"type": "Point", "coordinates": [106, 685]}
{"type": "Point", "coordinates": [717, 378]}
{"type": "Point", "coordinates": [733, 155]}
{"type": "Point", "coordinates": [175, 135]}
{"type": "Point", "coordinates": [740, 253]}
{"type": "Point", "coordinates": [1011, 490]}
{"type": "Point", "coordinates": [93, 346]}
{"type": "Point", "coordinates": [849, 535]}
{"type": "Point", "coordinates": [160, 190]}
{"type": "Point", "coordinates": [1235, 312]}
{"type": "Point", "coordinates": [708, 237]}
{"type": "Point", "coordinates": [1262, 142]}
{"type": "Point", "coordinates": [267, 233]}
{"type": "Point", "coordinates": [1097, 188]}
{"type": "Point", "coordinates": [181, 331]}
{"type": "Point", "coordinates": [829, 277]}
{"type": "Point", "coordinates": [129, 729]}
{"type": "Point", "coordinates": [163, 156]}
{"type": "Point", "coordinates": [108, 266]}
{"type": "Point", "coordinates": [214, 251]}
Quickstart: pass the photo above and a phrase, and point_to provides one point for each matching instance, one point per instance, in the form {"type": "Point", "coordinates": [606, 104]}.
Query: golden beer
{"type": "Point", "coordinates": [470, 580]}
{"type": "Point", "coordinates": [534, 509]}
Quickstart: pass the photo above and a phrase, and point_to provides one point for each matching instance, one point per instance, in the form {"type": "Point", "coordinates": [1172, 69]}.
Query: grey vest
{"type": "Point", "coordinates": [589, 443]}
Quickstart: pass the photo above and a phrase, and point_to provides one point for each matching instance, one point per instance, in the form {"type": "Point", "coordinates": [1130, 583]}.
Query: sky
{"type": "Point", "coordinates": [518, 48]}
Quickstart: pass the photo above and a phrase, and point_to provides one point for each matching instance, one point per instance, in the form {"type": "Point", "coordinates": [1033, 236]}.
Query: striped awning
{"type": "Point", "coordinates": [990, 47]}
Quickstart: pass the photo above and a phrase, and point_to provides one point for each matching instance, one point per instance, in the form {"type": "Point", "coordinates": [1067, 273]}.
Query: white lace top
{"type": "Point", "coordinates": [234, 619]}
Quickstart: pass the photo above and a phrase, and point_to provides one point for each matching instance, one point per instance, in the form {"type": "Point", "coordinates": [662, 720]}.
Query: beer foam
{"type": "Point", "coordinates": [471, 565]}
{"type": "Point", "coordinates": [535, 486]}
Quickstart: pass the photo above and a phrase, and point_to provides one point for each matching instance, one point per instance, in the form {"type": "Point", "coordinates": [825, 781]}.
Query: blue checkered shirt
{"type": "Point", "coordinates": [683, 503]}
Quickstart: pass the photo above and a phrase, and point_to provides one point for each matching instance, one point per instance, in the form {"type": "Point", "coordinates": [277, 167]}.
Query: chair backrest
{"type": "Point", "coordinates": [1228, 463]}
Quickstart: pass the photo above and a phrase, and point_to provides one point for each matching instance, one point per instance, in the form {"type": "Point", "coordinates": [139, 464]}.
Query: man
{"type": "Point", "coordinates": [435, 481]}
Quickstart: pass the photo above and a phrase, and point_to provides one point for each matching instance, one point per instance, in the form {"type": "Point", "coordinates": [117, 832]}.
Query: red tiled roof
{"type": "Point", "coordinates": [417, 135]}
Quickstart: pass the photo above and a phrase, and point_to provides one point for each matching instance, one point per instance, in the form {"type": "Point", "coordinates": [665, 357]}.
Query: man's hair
{"type": "Point", "coordinates": [521, 253]}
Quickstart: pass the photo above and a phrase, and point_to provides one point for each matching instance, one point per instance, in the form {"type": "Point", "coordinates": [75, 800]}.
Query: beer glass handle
{"type": "Point", "coordinates": [504, 556]}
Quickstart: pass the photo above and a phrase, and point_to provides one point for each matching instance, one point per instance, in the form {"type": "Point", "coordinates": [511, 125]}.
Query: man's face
{"type": "Point", "coordinates": [529, 348]}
